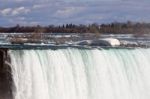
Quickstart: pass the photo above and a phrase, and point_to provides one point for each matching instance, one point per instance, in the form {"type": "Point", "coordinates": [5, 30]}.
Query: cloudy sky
{"type": "Point", "coordinates": [45, 12]}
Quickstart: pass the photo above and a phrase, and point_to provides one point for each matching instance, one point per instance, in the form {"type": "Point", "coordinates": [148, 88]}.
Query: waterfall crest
{"type": "Point", "coordinates": [81, 74]}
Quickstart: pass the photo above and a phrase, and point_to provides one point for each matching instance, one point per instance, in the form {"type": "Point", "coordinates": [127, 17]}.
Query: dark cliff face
{"type": "Point", "coordinates": [6, 84]}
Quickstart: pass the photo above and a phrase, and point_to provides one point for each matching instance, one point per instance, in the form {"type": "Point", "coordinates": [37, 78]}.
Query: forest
{"type": "Point", "coordinates": [114, 27]}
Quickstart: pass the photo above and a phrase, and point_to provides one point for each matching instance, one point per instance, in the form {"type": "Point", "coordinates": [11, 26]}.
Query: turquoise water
{"type": "Point", "coordinates": [81, 74]}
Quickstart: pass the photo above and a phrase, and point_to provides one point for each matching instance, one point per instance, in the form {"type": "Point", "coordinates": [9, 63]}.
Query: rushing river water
{"type": "Point", "coordinates": [52, 39]}
{"type": "Point", "coordinates": [81, 74]}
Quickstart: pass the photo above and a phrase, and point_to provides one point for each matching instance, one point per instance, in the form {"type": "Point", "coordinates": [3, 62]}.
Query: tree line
{"type": "Point", "coordinates": [114, 27]}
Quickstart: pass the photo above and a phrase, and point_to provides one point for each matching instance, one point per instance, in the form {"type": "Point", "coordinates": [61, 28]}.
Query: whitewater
{"type": "Point", "coordinates": [73, 73]}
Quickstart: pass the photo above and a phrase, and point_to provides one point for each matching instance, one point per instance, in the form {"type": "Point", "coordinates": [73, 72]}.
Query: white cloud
{"type": "Point", "coordinates": [6, 11]}
{"type": "Point", "coordinates": [37, 6]}
{"type": "Point", "coordinates": [20, 10]}
{"type": "Point", "coordinates": [68, 11]}
{"type": "Point", "coordinates": [81, 11]}
{"type": "Point", "coordinates": [14, 11]}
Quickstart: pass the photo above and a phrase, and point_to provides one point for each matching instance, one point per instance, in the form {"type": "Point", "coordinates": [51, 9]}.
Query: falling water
{"type": "Point", "coordinates": [81, 74]}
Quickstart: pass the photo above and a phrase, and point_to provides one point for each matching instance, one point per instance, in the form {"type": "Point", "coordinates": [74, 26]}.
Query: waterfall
{"type": "Point", "coordinates": [81, 74]}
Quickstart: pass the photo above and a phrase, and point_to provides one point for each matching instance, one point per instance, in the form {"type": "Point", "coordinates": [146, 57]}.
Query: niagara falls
{"type": "Point", "coordinates": [81, 74]}
{"type": "Point", "coordinates": [74, 49]}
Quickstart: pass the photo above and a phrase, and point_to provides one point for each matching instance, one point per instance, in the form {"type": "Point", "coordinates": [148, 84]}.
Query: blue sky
{"type": "Point", "coordinates": [45, 12]}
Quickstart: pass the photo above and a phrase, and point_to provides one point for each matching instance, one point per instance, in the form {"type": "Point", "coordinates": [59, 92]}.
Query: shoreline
{"type": "Point", "coordinates": [42, 47]}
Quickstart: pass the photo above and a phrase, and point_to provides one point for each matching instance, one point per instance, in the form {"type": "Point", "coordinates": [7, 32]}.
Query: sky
{"type": "Point", "coordinates": [57, 12]}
